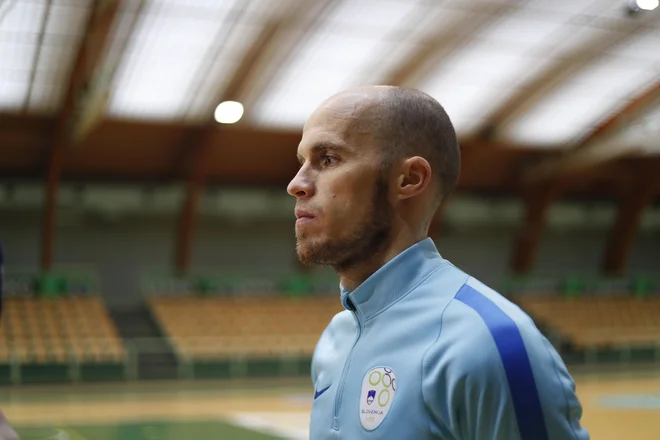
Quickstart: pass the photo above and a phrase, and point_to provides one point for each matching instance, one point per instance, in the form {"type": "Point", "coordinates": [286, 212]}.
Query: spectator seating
{"type": "Point", "coordinates": [598, 321]}
{"type": "Point", "coordinates": [58, 330]}
{"type": "Point", "coordinates": [256, 327]}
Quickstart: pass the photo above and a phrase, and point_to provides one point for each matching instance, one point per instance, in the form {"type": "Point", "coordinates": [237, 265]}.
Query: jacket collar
{"type": "Point", "coordinates": [394, 279]}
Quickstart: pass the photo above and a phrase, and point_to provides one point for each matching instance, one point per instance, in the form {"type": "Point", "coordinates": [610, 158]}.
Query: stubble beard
{"type": "Point", "coordinates": [369, 238]}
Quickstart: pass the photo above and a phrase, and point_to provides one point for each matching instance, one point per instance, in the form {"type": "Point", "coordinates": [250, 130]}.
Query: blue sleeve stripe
{"type": "Point", "coordinates": [511, 347]}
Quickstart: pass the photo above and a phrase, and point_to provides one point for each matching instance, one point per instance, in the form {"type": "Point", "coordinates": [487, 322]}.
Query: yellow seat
{"type": "Point", "coordinates": [56, 329]}
{"type": "Point", "coordinates": [607, 321]}
{"type": "Point", "coordinates": [243, 326]}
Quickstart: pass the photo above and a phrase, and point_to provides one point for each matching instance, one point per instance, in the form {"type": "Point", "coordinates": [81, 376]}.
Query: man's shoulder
{"type": "Point", "coordinates": [481, 329]}
{"type": "Point", "coordinates": [477, 302]}
{"type": "Point", "coordinates": [491, 355]}
{"type": "Point", "coordinates": [439, 284]}
{"type": "Point", "coordinates": [468, 297]}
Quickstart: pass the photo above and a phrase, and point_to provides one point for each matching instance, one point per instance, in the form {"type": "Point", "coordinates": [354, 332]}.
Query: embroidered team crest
{"type": "Point", "coordinates": [378, 390]}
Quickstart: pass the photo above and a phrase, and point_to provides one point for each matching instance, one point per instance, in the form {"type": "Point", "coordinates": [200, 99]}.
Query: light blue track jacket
{"type": "Point", "coordinates": [424, 351]}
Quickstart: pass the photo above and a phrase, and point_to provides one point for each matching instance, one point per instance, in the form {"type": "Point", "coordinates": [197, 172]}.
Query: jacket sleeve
{"type": "Point", "coordinates": [503, 382]}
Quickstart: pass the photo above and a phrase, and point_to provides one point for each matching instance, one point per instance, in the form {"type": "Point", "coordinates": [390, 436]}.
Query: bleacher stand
{"type": "Point", "coordinates": [55, 326]}
{"type": "Point", "coordinates": [55, 330]}
{"type": "Point", "coordinates": [251, 326]}
{"type": "Point", "coordinates": [599, 321]}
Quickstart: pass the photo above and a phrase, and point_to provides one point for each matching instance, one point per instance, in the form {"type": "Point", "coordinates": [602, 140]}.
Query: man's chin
{"type": "Point", "coordinates": [305, 253]}
{"type": "Point", "coordinates": [311, 252]}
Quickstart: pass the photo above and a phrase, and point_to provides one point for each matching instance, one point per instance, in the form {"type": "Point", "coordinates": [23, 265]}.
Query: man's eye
{"type": "Point", "coordinates": [328, 160]}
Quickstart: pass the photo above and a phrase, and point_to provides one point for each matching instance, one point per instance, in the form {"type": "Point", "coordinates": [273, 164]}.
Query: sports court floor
{"type": "Point", "coordinates": [616, 407]}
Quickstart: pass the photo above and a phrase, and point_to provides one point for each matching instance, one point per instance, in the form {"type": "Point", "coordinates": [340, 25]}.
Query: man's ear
{"type": "Point", "coordinates": [414, 177]}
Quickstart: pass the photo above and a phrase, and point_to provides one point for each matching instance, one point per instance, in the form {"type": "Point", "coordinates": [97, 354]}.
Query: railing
{"type": "Point", "coordinates": [131, 365]}
{"type": "Point", "coordinates": [131, 361]}
{"type": "Point", "coordinates": [71, 354]}
{"type": "Point", "coordinates": [621, 346]}
{"type": "Point", "coordinates": [72, 279]}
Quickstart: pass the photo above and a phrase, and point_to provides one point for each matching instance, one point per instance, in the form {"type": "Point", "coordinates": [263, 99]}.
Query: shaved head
{"type": "Point", "coordinates": [403, 123]}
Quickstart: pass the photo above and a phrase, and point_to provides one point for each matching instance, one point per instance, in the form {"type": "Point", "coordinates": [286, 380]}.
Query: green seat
{"type": "Point", "coordinates": [205, 285]}
{"type": "Point", "coordinates": [642, 286]}
{"type": "Point", "coordinates": [50, 285]}
{"type": "Point", "coordinates": [297, 285]}
{"type": "Point", "coordinates": [574, 286]}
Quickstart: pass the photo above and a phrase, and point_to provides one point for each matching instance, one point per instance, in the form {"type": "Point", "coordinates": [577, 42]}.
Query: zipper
{"type": "Point", "coordinates": [347, 363]}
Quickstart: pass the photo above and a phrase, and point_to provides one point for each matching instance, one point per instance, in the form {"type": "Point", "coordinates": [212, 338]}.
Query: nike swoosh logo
{"type": "Point", "coordinates": [318, 393]}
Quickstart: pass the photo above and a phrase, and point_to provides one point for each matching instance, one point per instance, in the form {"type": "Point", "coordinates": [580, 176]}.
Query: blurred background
{"type": "Point", "coordinates": [151, 287]}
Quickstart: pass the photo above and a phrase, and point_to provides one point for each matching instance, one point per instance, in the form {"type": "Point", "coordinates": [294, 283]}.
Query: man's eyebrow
{"type": "Point", "coordinates": [320, 146]}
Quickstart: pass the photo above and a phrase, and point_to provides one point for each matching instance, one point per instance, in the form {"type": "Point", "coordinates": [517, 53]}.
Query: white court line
{"type": "Point", "coordinates": [288, 425]}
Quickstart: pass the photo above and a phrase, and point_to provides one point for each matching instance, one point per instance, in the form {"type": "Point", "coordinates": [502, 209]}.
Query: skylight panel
{"type": "Point", "coordinates": [64, 31]}
{"type": "Point", "coordinates": [373, 14]}
{"type": "Point", "coordinates": [583, 101]}
{"type": "Point", "coordinates": [19, 32]}
{"type": "Point", "coordinates": [523, 29]}
{"type": "Point", "coordinates": [643, 49]}
{"type": "Point", "coordinates": [416, 32]}
{"type": "Point", "coordinates": [344, 51]}
{"type": "Point", "coordinates": [560, 120]}
{"type": "Point", "coordinates": [329, 63]}
{"type": "Point", "coordinates": [479, 78]}
{"type": "Point", "coordinates": [163, 56]}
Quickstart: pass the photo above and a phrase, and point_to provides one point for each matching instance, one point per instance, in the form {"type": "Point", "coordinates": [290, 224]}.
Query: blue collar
{"type": "Point", "coordinates": [394, 279]}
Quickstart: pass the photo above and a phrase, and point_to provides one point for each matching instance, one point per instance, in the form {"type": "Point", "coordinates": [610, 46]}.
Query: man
{"type": "Point", "coordinates": [423, 350]}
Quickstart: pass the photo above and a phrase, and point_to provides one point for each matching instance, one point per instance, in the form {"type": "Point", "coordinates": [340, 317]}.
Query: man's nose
{"type": "Point", "coordinates": [301, 185]}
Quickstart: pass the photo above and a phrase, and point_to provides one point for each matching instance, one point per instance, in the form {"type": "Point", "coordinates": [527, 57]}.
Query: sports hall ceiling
{"type": "Point", "coordinates": [563, 91]}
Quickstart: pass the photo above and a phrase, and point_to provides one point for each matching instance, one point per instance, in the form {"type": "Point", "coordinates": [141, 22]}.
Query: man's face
{"type": "Point", "coordinates": [343, 212]}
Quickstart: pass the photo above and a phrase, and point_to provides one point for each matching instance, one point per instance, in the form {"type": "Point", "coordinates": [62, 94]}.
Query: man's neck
{"type": "Point", "coordinates": [352, 277]}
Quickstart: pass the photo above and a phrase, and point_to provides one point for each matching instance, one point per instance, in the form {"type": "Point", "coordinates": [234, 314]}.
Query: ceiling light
{"type": "Point", "coordinates": [228, 112]}
{"type": "Point", "coordinates": [646, 5]}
